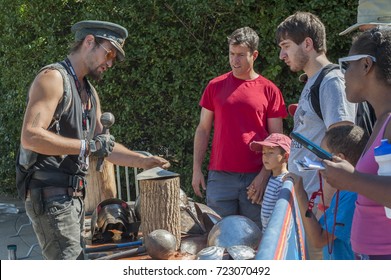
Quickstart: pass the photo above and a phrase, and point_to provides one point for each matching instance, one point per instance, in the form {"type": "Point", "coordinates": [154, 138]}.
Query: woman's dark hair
{"type": "Point", "coordinates": [376, 42]}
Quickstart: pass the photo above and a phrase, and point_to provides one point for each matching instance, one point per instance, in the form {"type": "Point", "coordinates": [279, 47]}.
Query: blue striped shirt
{"type": "Point", "coordinates": [270, 198]}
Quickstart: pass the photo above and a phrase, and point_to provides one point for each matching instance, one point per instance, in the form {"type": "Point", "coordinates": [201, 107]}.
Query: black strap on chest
{"type": "Point", "coordinates": [86, 119]}
{"type": "Point", "coordinates": [314, 90]}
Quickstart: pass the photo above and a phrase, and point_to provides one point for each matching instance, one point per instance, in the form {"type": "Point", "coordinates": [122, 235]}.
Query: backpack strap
{"type": "Point", "coordinates": [365, 116]}
{"type": "Point", "coordinates": [65, 102]}
{"type": "Point", "coordinates": [314, 90]}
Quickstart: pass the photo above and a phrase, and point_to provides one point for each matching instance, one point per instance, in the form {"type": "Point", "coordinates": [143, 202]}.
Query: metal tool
{"type": "Point", "coordinates": [112, 247]}
{"type": "Point", "coordinates": [124, 254]}
{"type": "Point", "coordinates": [107, 119]}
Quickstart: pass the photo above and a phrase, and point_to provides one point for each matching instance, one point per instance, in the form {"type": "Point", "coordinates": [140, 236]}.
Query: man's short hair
{"type": "Point", "coordinates": [301, 25]}
{"type": "Point", "coordinates": [244, 36]}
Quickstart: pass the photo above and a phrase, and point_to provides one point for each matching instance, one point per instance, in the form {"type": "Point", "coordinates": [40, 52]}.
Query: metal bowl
{"type": "Point", "coordinates": [241, 252]}
{"type": "Point", "coordinates": [160, 244]}
{"type": "Point", "coordinates": [235, 230]}
{"type": "Point", "coordinates": [211, 253]}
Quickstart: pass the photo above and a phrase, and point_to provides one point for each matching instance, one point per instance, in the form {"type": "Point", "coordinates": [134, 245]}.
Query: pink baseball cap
{"type": "Point", "coordinates": [273, 140]}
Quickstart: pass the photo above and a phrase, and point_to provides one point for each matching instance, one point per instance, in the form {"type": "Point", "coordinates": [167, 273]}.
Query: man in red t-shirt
{"type": "Point", "coordinates": [242, 106]}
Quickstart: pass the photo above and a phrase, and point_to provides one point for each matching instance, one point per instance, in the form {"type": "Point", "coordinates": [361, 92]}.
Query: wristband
{"type": "Point", "coordinates": [83, 156]}
{"type": "Point", "coordinates": [82, 149]}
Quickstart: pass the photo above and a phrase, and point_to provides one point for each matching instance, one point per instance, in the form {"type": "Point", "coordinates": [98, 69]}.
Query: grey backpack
{"type": "Point", "coordinates": [365, 116]}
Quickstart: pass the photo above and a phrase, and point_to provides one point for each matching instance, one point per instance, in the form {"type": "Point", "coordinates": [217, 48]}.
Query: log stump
{"type": "Point", "coordinates": [159, 206]}
{"type": "Point", "coordinates": [100, 185]}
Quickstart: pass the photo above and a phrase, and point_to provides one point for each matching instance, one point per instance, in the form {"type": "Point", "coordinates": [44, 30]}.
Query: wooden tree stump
{"type": "Point", "coordinates": [100, 185]}
{"type": "Point", "coordinates": [159, 206]}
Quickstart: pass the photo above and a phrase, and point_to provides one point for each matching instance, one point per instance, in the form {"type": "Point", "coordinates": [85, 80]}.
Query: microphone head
{"type": "Point", "coordinates": [107, 119]}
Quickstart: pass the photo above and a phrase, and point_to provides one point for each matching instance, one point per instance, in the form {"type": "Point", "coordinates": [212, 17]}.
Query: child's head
{"type": "Point", "coordinates": [275, 150]}
{"type": "Point", "coordinates": [345, 141]}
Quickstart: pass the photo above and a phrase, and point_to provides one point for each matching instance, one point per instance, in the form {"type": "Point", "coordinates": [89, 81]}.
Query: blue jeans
{"type": "Point", "coordinates": [59, 227]}
{"type": "Point", "coordinates": [226, 193]}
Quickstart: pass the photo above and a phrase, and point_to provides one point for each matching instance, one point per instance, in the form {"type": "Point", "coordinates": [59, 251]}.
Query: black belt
{"type": "Point", "coordinates": [58, 179]}
{"type": "Point", "coordinates": [50, 192]}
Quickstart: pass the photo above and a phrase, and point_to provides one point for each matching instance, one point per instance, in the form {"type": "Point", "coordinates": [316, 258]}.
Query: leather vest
{"type": "Point", "coordinates": [70, 126]}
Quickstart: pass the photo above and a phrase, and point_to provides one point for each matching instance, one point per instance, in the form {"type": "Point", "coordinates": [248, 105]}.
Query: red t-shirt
{"type": "Point", "coordinates": [241, 109]}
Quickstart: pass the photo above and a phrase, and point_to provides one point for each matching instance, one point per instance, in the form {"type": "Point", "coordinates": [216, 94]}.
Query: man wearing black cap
{"type": "Point", "coordinates": [61, 129]}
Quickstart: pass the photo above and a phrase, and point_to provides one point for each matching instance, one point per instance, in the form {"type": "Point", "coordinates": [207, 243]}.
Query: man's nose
{"type": "Point", "coordinates": [110, 63]}
{"type": "Point", "coordinates": [282, 54]}
{"type": "Point", "coordinates": [236, 58]}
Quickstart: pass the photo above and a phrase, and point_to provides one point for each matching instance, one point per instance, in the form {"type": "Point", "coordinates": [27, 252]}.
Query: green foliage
{"type": "Point", "coordinates": [174, 48]}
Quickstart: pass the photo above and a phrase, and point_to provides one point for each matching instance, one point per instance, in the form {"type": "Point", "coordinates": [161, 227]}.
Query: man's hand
{"type": "Point", "coordinates": [155, 161]}
{"type": "Point", "coordinates": [257, 187]}
{"type": "Point", "coordinates": [198, 179]}
{"type": "Point", "coordinates": [251, 191]}
{"type": "Point", "coordinates": [101, 145]}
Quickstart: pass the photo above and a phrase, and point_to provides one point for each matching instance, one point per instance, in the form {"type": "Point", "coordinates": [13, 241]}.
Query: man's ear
{"type": "Point", "coordinates": [89, 40]}
{"type": "Point", "coordinates": [308, 43]}
{"type": "Point", "coordinates": [255, 55]}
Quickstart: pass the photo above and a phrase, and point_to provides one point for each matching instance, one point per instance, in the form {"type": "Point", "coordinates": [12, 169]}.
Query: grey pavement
{"type": "Point", "coordinates": [15, 229]}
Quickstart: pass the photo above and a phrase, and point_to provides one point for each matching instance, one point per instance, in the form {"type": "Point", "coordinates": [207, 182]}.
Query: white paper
{"type": "Point", "coordinates": [308, 164]}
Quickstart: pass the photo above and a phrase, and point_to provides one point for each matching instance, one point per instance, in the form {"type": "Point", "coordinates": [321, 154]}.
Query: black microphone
{"type": "Point", "coordinates": [107, 119]}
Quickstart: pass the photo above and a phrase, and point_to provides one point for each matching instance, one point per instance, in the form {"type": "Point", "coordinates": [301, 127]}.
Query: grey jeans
{"type": "Point", "coordinates": [59, 227]}
{"type": "Point", "coordinates": [226, 193]}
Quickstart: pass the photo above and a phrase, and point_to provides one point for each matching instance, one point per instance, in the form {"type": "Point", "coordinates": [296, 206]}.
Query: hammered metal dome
{"type": "Point", "coordinates": [235, 230]}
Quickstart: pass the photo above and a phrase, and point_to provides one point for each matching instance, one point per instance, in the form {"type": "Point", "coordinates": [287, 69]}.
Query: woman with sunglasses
{"type": "Point", "coordinates": [368, 78]}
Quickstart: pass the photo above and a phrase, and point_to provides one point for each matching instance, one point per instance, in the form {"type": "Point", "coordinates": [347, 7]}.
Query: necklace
{"type": "Point", "coordinates": [86, 106]}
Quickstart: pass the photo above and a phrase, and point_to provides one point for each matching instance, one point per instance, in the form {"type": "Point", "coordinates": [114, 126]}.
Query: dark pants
{"type": "Point", "coordinates": [226, 193]}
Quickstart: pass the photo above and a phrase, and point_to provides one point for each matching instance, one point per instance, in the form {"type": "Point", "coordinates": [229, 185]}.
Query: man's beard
{"type": "Point", "coordinates": [95, 75]}
{"type": "Point", "coordinates": [301, 59]}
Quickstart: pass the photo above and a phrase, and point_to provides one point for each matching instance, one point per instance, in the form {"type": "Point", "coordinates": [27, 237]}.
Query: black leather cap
{"type": "Point", "coordinates": [112, 32]}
